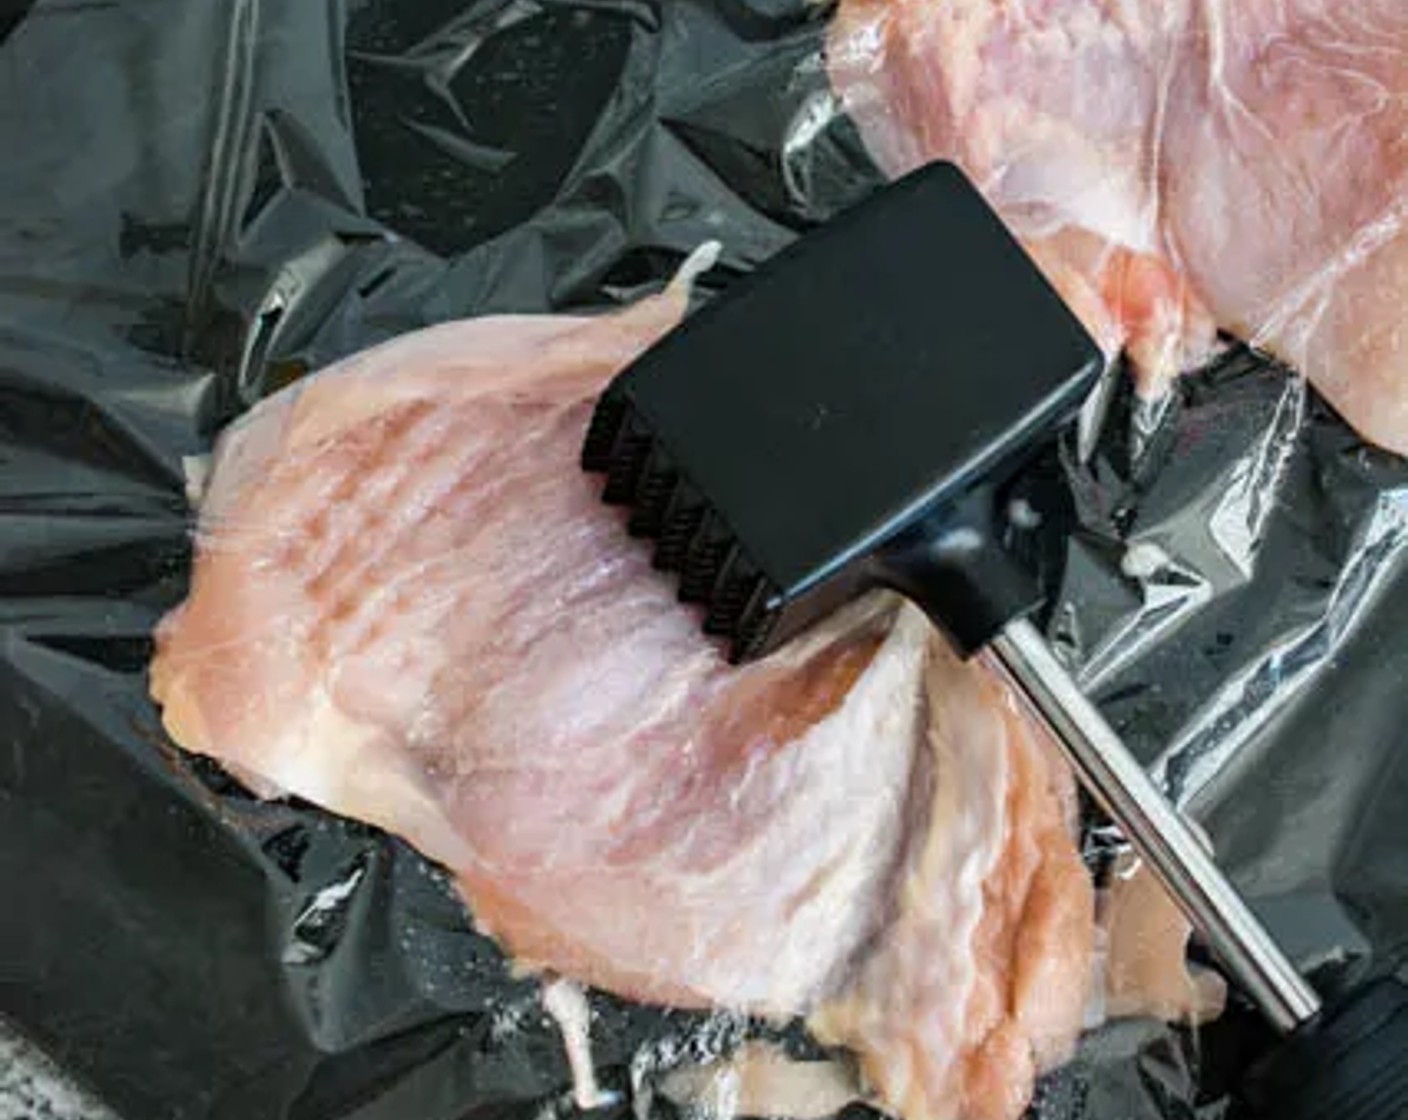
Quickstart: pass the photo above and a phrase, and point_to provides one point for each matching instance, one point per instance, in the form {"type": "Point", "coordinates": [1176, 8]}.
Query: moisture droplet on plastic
{"type": "Point", "coordinates": [567, 1004]}
{"type": "Point", "coordinates": [1023, 514]}
{"type": "Point", "coordinates": [1143, 560]}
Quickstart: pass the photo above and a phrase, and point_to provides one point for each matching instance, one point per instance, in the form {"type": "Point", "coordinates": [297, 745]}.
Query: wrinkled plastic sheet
{"type": "Point", "coordinates": [202, 199]}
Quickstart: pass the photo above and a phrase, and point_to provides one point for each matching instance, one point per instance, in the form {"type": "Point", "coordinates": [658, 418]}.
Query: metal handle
{"type": "Point", "coordinates": [1157, 830]}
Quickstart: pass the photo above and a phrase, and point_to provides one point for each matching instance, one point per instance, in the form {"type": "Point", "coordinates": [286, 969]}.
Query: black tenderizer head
{"type": "Point", "coordinates": [840, 419]}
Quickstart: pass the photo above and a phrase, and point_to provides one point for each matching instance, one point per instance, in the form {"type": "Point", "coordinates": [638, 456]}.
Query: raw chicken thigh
{"type": "Point", "coordinates": [1175, 166]}
{"type": "Point", "coordinates": [409, 606]}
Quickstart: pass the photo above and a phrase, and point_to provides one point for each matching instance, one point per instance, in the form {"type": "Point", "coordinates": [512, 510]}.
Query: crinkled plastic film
{"type": "Point", "coordinates": [201, 201]}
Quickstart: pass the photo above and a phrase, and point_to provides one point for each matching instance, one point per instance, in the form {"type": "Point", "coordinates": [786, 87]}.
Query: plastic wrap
{"type": "Point", "coordinates": [203, 200]}
{"type": "Point", "coordinates": [1175, 167]}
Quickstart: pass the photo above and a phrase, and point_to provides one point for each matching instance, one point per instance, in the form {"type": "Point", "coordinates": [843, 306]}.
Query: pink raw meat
{"type": "Point", "coordinates": [1175, 165]}
{"type": "Point", "coordinates": [409, 606]}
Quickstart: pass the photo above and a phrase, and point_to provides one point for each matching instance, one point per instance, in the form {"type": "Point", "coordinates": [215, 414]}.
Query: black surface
{"type": "Point", "coordinates": [1350, 1063]}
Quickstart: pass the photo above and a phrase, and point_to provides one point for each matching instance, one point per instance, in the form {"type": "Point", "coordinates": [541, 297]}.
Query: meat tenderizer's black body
{"type": "Point", "coordinates": [840, 419]}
